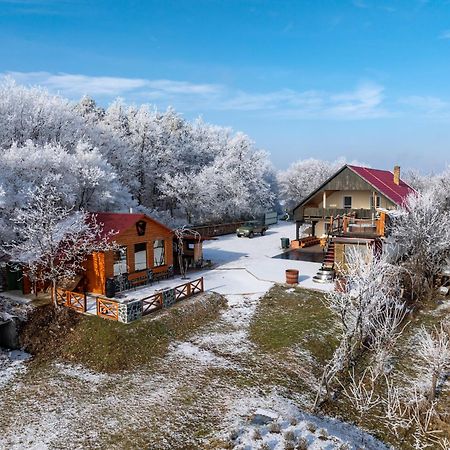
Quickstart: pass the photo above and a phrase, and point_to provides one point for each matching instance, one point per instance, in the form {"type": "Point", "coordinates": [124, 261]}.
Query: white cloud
{"type": "Point", "coordinates": [78, 85]}
{"type": "Point", "coordinates": [365, 101]}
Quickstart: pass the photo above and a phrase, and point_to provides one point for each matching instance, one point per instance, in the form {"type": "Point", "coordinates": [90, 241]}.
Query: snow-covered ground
{"type": "Point", "coordinates": [244, 266]}
{"type": "Point", "coordinates": [12, 363]}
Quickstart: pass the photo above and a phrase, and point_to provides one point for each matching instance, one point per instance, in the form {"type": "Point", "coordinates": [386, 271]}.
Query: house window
{"type": "Point", "coordinates": [159, 257]}
{"type": "Point", "coordinates": [347, 202]}
{"type": "Point", "coordinates": [140, 227]}
{"type": "Point", "coordinates": [378, 202]}
{"type": "Point", "coordinates": [140, 256]}
{"type": "Point", "coordinates": [120, 261]}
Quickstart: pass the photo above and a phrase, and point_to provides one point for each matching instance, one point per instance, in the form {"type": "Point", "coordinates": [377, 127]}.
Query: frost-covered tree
{"type": "Point", "coordinates": [84, 178]}
{"type": "Point", "coordinates": [422, 232]}
{"type": "Point", "coordinates": [53, 241]}
{"type": "Point", "coordinates": [166, 163]}
{"type": "Point", "coordinates": [370, 311]}
{"type": "Point", "coordinates": [34, 114]}
{"type": "Point", "coordinates": [302, 177]}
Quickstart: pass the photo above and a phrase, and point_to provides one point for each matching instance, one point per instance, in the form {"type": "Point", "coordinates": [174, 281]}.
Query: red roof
{"type": "Point", "coordinates": [383, 181]}
{"type": "Point", "coordinates": [119, 222]}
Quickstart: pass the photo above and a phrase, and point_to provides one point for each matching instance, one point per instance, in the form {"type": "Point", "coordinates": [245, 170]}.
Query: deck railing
{"type": "Point", "coordinates": [108, 309]}
{"type": "Point", "coordinates": [325, 213]}
{"type": "Point", "coordinates": [152, 303]}
{"type": "Point", "coordinates": [180, 292]}
{"type": "Point", "coordinates": [73, 300]}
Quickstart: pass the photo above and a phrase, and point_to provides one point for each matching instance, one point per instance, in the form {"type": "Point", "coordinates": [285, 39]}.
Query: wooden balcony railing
{"type": "Point", "coordinates": [325, 213]}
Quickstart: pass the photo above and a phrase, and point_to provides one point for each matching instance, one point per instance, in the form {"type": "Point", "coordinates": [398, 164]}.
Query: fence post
{"type": "Point", "coordinates": [188, 289]}
{"type": "Point", "coordinates": [85, 303]}
{"type": "Point", "coordinates": [201, 284]}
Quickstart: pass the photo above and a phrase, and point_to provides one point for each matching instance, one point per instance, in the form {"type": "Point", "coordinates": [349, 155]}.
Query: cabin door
{"type": "Point", "coordinates": [14, 280]}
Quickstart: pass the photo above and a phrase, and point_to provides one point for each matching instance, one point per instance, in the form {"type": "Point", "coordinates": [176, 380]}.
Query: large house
{"type": "Point", "coordinates": [352, 208]}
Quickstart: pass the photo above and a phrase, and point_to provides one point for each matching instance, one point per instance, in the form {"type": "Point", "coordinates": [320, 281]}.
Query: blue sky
{"type": "Point", "coordinates": [364, 79]}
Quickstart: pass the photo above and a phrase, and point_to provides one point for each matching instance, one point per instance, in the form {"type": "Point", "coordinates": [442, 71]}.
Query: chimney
{"type": "Point", "coordinates": [397, 175]}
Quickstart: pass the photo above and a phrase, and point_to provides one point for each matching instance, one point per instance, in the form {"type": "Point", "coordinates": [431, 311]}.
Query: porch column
{"type": "Point", "coordinates": [324, 201]}
{"type": "Point", "coordinates": [198, 252]}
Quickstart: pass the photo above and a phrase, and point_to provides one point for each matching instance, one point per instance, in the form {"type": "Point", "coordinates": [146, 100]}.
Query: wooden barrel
{"type": "Point", "coordinates": [292, 276]}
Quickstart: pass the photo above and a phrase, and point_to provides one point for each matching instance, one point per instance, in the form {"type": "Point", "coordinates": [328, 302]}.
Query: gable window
{"type": "Point", "coordinates": [140, 256]}
{"type": "Point", "coordinates": [159, 257]}
{"type": "Point", "coordinates": [377, 203]}
{"type": "Point", "coordinates": [347, 202]}
{"type": "Point", "coordinates": [120, 261]}
{"type": "Point", "coordinates": [140, 227]}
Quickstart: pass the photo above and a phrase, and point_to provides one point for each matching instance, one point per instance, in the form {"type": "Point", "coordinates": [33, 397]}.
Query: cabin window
{"type": "Point", "coordinates": [140, 256]}
{"type": "Point", "coordinates": [159, 257]}
{"type": "Point", "coordinates": [347, 202]}
{"type": "Point", "coordinates": [190, 245]}
{"type": "Point", "coordinates": [140, 227]}
{"type": "Point", "coordinates": [120, 261]}
{"type": "Point", "coordinates": [378, 202]}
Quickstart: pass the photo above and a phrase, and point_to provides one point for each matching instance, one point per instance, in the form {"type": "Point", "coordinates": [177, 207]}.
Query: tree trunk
{"type": "Point", "coordinates": [55, 301]}
{"type": "Point", "coordinates": [434, 380]}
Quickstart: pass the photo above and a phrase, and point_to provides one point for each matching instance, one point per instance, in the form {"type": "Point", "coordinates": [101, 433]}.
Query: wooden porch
{"type": "Point", "coordinates": [141, 301]}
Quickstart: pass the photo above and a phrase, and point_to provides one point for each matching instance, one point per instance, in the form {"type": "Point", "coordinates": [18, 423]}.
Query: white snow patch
{"type": "Point", "coordinates": [81, 373]}
{"type": "Point", "coordinates": [277, 422]}
{"type": "Point", "coordinates": [204, 357]}
{"type": "Point", "coordinates": [12, 363]}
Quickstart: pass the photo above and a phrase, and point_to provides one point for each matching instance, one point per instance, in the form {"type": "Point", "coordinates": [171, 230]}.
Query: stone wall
{"type": "Point", "coordinates": [128, 312]}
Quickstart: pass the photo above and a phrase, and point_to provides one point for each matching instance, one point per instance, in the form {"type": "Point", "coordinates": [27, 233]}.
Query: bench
{"type": "Point", "coordinates": [308, 241]}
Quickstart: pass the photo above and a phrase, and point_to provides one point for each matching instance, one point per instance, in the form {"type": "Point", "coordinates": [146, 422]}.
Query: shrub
{"type": "Point", "coordinates": [289, 436]}
{"type": "Point", "coordinates": [274, 427]}
{"type": "Point", "coordinates": [302, 444]}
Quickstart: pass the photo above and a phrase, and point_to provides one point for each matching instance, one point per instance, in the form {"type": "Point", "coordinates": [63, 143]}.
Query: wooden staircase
{"type": "Point", "coordinates": [326, 273]}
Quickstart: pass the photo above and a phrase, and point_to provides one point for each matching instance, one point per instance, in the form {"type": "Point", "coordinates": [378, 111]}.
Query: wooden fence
{"type": "Point", "coordinates": [108, 309]}
{"type": "Point", "coordinates": [71, 299]}
{"type": "Point", "coordinates": [152, 303]}
{"type": "Point", "coordinates": [218, 229]}
{"type": "Point", "coordinates": [156, 301]}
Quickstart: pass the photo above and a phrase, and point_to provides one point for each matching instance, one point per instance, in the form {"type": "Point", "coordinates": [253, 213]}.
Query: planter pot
{"type": "Point", "coordinates": [292, 276]}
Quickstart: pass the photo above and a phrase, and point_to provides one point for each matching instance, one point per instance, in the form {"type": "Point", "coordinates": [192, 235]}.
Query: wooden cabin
{"type": "Point", "coordinates": [145, 253]}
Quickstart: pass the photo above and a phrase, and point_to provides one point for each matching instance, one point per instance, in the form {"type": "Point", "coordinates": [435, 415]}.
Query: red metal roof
{"type": "Point", "coordinates": [383, 181]}
{"type": "Point", "coordinates": [119, 222]}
